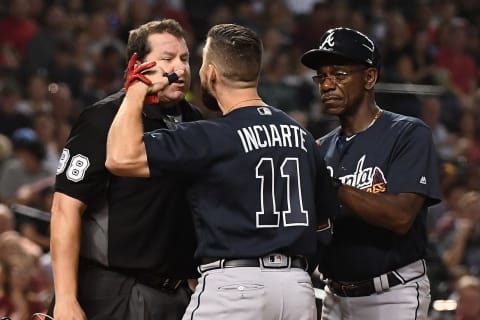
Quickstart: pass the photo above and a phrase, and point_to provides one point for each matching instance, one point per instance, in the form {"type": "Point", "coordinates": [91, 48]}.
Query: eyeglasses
{"type": "Point", "coordinates": [37, 315]}
{"type": "Point", "coordinates": [339, 76]}
{"type": "Point", "coordinates": [41, 316]}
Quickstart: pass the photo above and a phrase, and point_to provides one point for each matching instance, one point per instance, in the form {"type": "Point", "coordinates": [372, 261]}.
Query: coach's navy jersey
{"type": "Point", "coordinates": [395, 155]}
{"type": "Point", "coordinates": [129, 222]}
{"type": "Point", "coordinates": [255, 177]}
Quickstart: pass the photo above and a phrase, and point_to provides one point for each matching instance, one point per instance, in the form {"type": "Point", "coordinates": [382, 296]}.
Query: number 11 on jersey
{"type": "Point", "coordinates": [293, 213]}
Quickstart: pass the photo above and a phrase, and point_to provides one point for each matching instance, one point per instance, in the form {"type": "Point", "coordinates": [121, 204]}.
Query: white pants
{"type": "Point", "coordinates": [408, 301]}
{"type": "Point", "coordinates": [253, 293]}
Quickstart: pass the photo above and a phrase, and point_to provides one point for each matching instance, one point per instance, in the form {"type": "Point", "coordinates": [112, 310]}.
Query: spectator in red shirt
{"type": "Point", "coordinates": [460, 65]}
{"type": "Point", "coordinates": [17, 30]}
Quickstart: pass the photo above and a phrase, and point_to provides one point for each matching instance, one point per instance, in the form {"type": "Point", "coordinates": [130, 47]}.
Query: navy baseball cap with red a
{"type": "Point", "coordinates": [344, 45]}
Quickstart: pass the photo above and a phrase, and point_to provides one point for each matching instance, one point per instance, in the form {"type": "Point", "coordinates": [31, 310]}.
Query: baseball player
{"type": "Point", "coordinates": [258, 186]}
{"type": "Point", "coordinates": [385, 170]}
{"type": "Point", "coordinates": [122, 247]}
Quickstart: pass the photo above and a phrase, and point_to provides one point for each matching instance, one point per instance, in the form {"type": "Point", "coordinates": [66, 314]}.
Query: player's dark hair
{"type": "Point", "coordinates": [238, 50]}
{"type": "Point", "coordinates": [137, 38]}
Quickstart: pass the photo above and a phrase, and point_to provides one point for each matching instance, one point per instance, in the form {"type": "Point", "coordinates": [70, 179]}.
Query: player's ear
{"type": "Point", "coordinates": [371, 76]}
{"type": "Point", "coordinates": [212, 73]}
{"type": "Point", "coordinates": [211, 77]}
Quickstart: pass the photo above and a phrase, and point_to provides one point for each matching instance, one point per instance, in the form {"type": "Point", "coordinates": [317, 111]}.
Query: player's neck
{"type": "Point", "coordinates": [239, 99]}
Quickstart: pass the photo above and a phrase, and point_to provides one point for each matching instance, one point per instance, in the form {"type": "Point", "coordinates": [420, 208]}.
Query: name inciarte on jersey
{"type": "Point", "coordinates": [369, 179]}
{"type": "Point", "coordinates": [266, 136]}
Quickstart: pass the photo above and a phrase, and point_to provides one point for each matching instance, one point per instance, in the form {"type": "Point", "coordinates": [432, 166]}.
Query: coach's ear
{"type": "Point", "coordinates": [371, 76]}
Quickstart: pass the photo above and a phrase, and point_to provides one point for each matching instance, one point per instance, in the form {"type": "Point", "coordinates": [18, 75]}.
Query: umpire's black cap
{"type": "Point", "coordinates": [344, 44]}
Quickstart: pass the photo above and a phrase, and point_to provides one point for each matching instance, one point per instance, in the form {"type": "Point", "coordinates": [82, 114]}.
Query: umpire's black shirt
{"type": "Point", "coordinates": [138, 224]}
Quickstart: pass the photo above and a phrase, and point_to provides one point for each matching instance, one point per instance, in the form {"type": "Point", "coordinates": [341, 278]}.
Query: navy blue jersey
{"type": "Point", "coordinates": [258, 182]}
{"type": "Point", "coordinates": [395, 155]}
{"type": "Point", "coordinates": [130, 223]}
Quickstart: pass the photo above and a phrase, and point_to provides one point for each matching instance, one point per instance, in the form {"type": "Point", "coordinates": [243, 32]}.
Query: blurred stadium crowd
{"type": "Point", "coordinates": [56, 57]}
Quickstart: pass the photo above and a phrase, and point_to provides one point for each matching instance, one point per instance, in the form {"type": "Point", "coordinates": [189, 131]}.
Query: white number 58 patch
{"type": "Point", "coordinates": [77, 168]}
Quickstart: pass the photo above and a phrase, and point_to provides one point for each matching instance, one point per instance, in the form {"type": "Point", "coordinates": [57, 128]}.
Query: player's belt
{"type": "Point", "coordinates": [272, 261]}
{"type": "Point", "coordinates": [378, 284]}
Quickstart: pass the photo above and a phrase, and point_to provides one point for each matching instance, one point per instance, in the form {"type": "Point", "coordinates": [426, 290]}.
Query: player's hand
{"type": "Point", "coordinates": [68, 308]}
{"type": "Point", "coordinates": [161, 79]}
{"type": "Point", "coordinates": [135, 72]}
{"type": "Point", "coordinates": [153, 76]}
{"type": "Point", "coordinates": [160, 82]}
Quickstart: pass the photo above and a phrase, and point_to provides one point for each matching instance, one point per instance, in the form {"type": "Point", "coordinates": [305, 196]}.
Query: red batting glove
{"type": "Point", "coordinates": [134, 74]}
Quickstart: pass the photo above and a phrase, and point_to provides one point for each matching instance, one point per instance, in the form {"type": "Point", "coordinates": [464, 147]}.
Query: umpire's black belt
{"type": "Point", "coordinates": [271, 261]}
{"type": "Point", "coordinates": [145, 277]}
{"type": "Point", "coordinates": [377, 284]}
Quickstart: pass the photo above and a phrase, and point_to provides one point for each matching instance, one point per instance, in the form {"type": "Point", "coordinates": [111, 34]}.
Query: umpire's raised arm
{"type": "Point", "coordinates": [126, 155]}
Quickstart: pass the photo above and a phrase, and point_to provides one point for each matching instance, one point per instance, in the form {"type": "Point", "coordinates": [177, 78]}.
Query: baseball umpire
{"type": "Point", "coordinates": [258, 185]}
{"type": "Point", "coordinates": [385, 168]}
{"type": "Point", "coordinates": [132, 239]}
